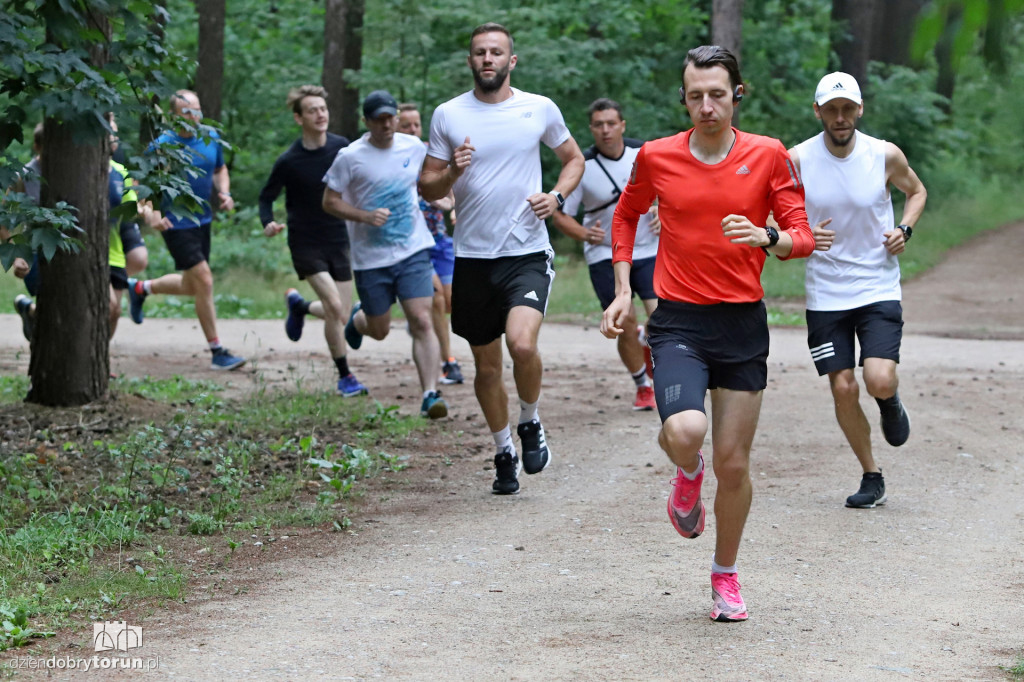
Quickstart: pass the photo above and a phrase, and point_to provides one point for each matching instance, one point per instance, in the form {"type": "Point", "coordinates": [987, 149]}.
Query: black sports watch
{"type": "Point", "coordinates": [773, 236]}
{"type": "Point", "coordinates": [558, 197]}
{"type": "Point", "coordinates": [908, 232]}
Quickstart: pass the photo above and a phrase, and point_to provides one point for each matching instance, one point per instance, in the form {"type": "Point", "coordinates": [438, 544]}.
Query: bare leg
{"type": "Point", "coordinates": [197, 282]}
{"type": "Point", "coordinates": [630, 351]}
{"type": "Point", "coordinates": [425, 350]}
{"type": "Point", "coordinates": [488, 384]}
{"type": "Point", "coordinates": [333, 307]}
{"type": "Point", "coordinates": [521, 331]}
{"type": "Point", "coordinates": [851, 418]}
{"type": "Point", "coordinates": [734, 417]}
{"type": "Point", "coordinates": [440, 322]}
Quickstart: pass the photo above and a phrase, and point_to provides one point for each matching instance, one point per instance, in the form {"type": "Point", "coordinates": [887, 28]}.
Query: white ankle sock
{"type": "Point", "coordinates": [528, 412]}
{"type": "Point", "coordinates": [503, 439]}
{"type": "Point", "coordinates": [715, 568]}
{"type": "Point", "coordinates": [697, 471]}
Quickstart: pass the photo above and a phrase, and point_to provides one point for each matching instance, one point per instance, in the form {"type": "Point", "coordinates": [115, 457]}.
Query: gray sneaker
{"type": "Point", "coordinates": [895, 421]}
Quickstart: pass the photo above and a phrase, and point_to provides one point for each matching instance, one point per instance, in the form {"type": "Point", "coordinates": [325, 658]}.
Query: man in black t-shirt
{"type": "Point", "coordinates": [318, 241]}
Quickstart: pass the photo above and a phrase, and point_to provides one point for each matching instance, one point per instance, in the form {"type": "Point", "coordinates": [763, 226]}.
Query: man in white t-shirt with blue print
{"type": "Point", "coordinates": [853, 276]}
{"type": "Point", "coordinates": [485, 146]}
{"type": "Point", "coordinates": [372, 186]}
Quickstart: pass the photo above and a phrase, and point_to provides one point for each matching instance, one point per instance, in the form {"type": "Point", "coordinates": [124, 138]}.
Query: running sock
{"type": "Point", "coordinates": [144, 286]}
{"type": "Point", "coordinates": [888, 404]}
{"type": "Point", "coordinates": [342, 365]}
{"type": "Point", "coordinates": [427, 393]}
{"type": "Point", "coordinates": [503, 438]}
{"type": "Point", "coordinates": [716, 568]}
{"type": "Point", "coordinates": [697, 471]}
{"type": "Point", "coordinates": [528, 411]}
{"type": "Point", "coordinates": [214, 345]}
{"type": "Point", "coordinates": [640, 376]}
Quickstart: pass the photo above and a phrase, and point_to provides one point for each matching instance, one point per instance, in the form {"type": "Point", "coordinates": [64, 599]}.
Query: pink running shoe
{"type": "Point", "coordinates": [644, 399]}
{"type": "Point", "coordinates": [649, 363]}
{"type": "Point", "coordinates": [728, 606]}
{"type": "Point", "coordinates": [684, 505]}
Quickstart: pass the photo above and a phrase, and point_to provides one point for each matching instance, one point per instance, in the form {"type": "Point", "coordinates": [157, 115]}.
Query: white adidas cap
{"type": "Point", "coordinates": [837, 84]}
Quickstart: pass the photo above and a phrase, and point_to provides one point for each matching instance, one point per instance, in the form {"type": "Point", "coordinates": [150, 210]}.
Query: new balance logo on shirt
{"type": "Point", "coordinates": [532, 296]}
{"type": "Point", "coordinates": [743, 170]}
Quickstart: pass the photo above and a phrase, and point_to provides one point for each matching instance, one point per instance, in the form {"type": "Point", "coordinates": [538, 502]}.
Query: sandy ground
{"type": "Point", "coordinates": [582, 576]}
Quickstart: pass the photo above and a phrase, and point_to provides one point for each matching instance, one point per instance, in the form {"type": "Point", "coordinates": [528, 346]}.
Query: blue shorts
{"type": "Point", "coordinates": [442, 255]}
{"type": "Point", "coordinates": [379, 288]}
{"type": "Point", "coordinates": [32, 278]}
{"type": "Point", "coordinates": [641, 280]}
{"type": "Point", "coordinates": [131, 237]}
{"type": "Point", "coordinates": [700, 347]}
{"type": "Point", "coordinates": [830, 335]}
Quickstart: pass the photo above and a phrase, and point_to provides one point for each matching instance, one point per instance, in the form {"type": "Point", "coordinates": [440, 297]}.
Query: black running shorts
{"type": "Point", "coordinates": [830, 333]}
{"type": "Point", "coordinates": [484, 290]}
{"type": "Point", "coordinates": [332, 258]}
{"type": "Point", "coordinates": [700, 347]}
{"type": "Point", "coordinates": [118, 278]}
{"type": "Point", "coordinates": [641, 280]}
{"type": "Point", "coordinates": [189, 246]}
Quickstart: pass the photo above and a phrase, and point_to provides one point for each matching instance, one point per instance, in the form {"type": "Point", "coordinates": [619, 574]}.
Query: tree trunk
{"type": "Point", "coordinates": [69, 362]}
{"type": "Point", "coordinates": [946, 79]}
{"type": "Point", "coordinates": [894, 23]}
{"type": "Point", "coordinates": [852, 22]}
{"type": "Point", "coordinates": [994, 49]}
{"type": "Point", "coordinates": [343, 50]}
{"type": "Point", "coordinates": [727, 31]}
{"type": "Point", "coordinates": [210, 71]}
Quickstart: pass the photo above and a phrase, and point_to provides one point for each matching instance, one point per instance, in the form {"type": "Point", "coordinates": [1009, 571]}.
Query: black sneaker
{"type": "Point", "coordinates": [895, 421]}
{"type": "Point", "coordinates": [23, 304]}
{"type": "Point", "coordinates": [506, 473]}
{"type": "Point", "coordinates": [871, 493]}
{"type": "Point", "coordinates": [536, 454]}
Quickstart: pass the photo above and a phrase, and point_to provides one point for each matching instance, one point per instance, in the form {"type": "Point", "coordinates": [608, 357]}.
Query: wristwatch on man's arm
{"type": "Point", "coordinates": [908, 232]}
{"type": "Point", "coordinates": [558, 197]}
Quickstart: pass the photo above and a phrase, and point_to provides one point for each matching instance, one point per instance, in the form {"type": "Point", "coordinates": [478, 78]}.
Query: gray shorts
{"type": "Point", "coordinates": [379, 288]}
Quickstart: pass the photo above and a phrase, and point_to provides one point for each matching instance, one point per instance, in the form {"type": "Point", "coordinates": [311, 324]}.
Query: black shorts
{"type": "Point", "coordinates": [701, 347]}
{"type": "Point", "coordinates": [641, 280]}
{"type": "Point", "coordinates": [189, 247]}
{"type": "Point", "coordinates": [484, 290]}
{"type": "Point", "coordinates": [131, 237]}
{"type": "Point", "coordinates": [331, 258]}
{"type": "Point", "coordinates": [118, 278]}
{"type": "Point", "coordinates": [877, 326]}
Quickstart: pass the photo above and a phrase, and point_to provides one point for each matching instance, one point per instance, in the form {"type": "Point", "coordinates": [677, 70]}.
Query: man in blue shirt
{"type": "Point", "coordinates": [187, 232]}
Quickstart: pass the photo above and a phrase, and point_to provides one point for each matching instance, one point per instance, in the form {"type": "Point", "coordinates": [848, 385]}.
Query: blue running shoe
{"type": "Point", "coordinates": [434, 406]}
{"type": "Point", "coordinates": [296, 314]}
{"type": "Point", "coordinates": [349, 386]}
{"type": "Point", "coordinates": [135, 301]}
{"type": "Point", "coordinates": [223, 359]}
{"type": "Point", "coordinates": [352, 336]}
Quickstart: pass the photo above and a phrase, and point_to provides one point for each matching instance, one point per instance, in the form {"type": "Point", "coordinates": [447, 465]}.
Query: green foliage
{"type": "Point", "coordinates": [16, 630]}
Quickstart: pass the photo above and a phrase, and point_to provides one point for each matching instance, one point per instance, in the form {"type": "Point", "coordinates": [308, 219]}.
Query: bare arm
{"type": "Point", "coordinates": [544, 204]}
{"type": "Point", "coordinates": [572, 228]}
{"type": "Point", "coordinates": [615, 315]}
{"type": "Point", "coordinates": [222, 185]}
{"type": "Point", "coordinates": [902, 176]}
{"type": "Point", "coordinates": [338, 207]}
{"type": "Point", "coordinates": [438, 175]}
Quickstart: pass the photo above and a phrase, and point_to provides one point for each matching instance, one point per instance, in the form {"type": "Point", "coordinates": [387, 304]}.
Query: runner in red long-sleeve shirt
{"type": "Point", "coordinates": [715, 187]}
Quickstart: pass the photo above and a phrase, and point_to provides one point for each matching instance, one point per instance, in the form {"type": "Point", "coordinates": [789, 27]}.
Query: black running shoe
{"type": "Point", "coordinates": [871, 493]}
{"type": "Point", "coordinates": [536, 455]}
{"type": "Point", "coordinates": [895, 421]}
{"type": "Point", "coordinates": [506, 472]}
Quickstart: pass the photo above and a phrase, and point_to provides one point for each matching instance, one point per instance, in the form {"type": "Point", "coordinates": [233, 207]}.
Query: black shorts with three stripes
{"type": "Point", "coordinates": [878, 328]}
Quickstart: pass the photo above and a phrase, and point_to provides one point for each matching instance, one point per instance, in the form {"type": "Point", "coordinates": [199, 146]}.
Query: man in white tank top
{"type": "Point", "coordinates": [853, 277]}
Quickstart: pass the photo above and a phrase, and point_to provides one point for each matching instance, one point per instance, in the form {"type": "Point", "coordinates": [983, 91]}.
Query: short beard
{"type": "Point", "coordinates": [838, 142]}
{"type": "Point", "coordinates": [493, 84]}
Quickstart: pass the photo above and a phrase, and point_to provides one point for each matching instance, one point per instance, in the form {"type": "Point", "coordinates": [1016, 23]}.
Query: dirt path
{"type": "Point", "coordinates": [581, 576]}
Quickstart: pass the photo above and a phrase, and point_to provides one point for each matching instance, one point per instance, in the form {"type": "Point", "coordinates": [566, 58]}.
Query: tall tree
{"type": "Point", "coordinates": [893, 30]}
{"type": "Point", "coordinates": [343, 51]}
{"type": "Point", "coordinates": [852, 22]}
{"type": "Point", "coordinates": [210, 70]}
{"type": "Point", "coordinates": [727, 31]}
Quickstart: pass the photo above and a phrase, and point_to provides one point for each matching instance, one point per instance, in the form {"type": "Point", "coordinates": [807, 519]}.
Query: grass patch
{"type": "Point", "coordinates": [1017, 671]}
{"type": "Point", "coordinates": [83, 521]}
{"type": "Point", "coordinates": [13, 389]}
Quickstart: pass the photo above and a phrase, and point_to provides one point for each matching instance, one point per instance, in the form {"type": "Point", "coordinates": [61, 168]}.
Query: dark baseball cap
{"type": "Point", "coordinates": [379, 102]}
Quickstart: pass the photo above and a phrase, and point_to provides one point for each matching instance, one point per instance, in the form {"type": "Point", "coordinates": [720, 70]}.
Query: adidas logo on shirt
{"type": "Point", "coordinates": [532, 296]}
{"type": "Point", "coordinates": [743, 170]}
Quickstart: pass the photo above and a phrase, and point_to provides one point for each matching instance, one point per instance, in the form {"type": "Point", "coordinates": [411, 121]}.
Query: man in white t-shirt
{"type": "Point", "coordinates": [485, 146]}
{"type": "Point", "coordinates": [608, 166]}
{"type": "Point", "coordinates": [372, 186]}
{"type": "Point", "coordinates": [853, 276]}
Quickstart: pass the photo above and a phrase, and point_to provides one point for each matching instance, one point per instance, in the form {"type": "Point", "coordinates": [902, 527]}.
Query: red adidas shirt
{"type": "Point", "coordinates": [696, 262]}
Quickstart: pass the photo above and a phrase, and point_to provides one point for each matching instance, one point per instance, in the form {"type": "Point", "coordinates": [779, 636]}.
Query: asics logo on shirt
{"type": "Point", "coordinates": [526, 114]}
{"type": "Point", "coordinates": [406, 164]}
{"type": "Point", "coordinates": [743, 170]}
{"type": "Point", "coordinates": [532, 296]}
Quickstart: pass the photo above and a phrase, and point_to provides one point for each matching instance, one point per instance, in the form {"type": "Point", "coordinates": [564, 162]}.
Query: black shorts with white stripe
{"type": "Point", "coordinates": [877, 327]}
